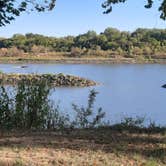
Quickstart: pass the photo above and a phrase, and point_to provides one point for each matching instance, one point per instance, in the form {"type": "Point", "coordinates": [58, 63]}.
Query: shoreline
{"type": "Point", "coordinates": [64, 60]}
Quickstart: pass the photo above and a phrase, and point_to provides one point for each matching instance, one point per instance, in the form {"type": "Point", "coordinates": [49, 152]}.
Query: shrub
{"type": "Point", "coordinates": [29, 107]}
{"type": "Point", "coordinates": [84, 115]}
{"type": "Point", "coordinates": [14, 51]}
{"type": "Point", "coordinates": [32, 104]}
{"type": "Point", "coordinates": [76, 52]}
{"type": "Point", "coordinates": [6, 110]}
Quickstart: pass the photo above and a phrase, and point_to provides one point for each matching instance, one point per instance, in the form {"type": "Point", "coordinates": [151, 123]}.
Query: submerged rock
{"type": "Point", "coordinates": [24, 66]}
{"type": "Point", "coordinates": [55, 80]}
{"type": "Point", "coordinates": [164, 86]}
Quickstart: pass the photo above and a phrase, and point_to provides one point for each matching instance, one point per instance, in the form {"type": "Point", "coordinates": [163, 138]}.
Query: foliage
{"type": "Point", "coordinates": [162, 8]}
{"type": "Point", "coordinates": [29, 107]}
{"type": "Point", "coordinates": [76, 52]}
{"type": "Point", "coordinates": [84, 115]}
{"type": "Point", "coordinates": [133, 122]}
{"type": "Point", "coordinates": [56, 119]}
{"type": "Point", "coordinates": [31, 104]}
{"type": "Point", "coordinates": [11, 52]}
{"type": "Point", "coordinates": [9, 9]}
{"type": "Point", "coordinates": [147, 42]}
{"type": "Point", "coordinates": [6, 110]}
{"type": "Point", "coordinates": [26, 107]}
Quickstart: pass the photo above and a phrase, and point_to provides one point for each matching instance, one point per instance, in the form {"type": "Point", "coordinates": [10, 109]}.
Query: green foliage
{"type": "Point", "coordinates": [9, 9]}
{"type": "Point", "coordinates": [56, 119]}
{"type": "Point", "coordinates": [6, 110]}
{"type": "Point", "coordinates": [29, 107]}
{"type": "Point", "coordinates": [26, 108]}
{"type": "Point", "coordinates": [18, 163]}
{"type": "Point", "coordinates": [84, 115]}
{"type": "Point", "coordinates": [107, 5]}
{"type": "Point", "coordinates": [133, 122]}
{"type": "Point", "coordinates": [31, 104]}
{"type": "Point", "coordinates": [146, 42]}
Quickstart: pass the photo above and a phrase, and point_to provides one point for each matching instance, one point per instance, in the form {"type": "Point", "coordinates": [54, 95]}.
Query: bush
{"type": "Point", "coordinates": [13, 51]}
{"type": "Point", "coordinates": [31, 104]}
{"type": "Point", "coordinates": [84, 115]}
{"type": "Point", "coordinates": [6, 110]}
{"type": "Point", "coordinates": [76, 52]}
{"type": "Point", "coordinates": [29, 107]}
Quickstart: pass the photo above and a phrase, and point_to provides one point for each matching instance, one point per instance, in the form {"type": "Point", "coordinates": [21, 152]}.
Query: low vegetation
{"type": "Point", "coordinates": [28, 106]}
{"type": "Point", "coordinates": [100, 146]}
{"type": "Point", "coordinates": [34, 131]}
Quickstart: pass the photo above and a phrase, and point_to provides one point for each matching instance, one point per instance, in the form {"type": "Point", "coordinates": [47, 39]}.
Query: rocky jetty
{"type": "Point", "coordinates": [56, 80]}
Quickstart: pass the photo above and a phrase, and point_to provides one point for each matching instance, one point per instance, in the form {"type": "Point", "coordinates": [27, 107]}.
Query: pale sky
{"type": "Point", "coordinates": [73, 17]}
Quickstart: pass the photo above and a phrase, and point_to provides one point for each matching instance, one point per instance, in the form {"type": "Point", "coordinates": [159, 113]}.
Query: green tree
{"type": "Point", "coordinates": [162, 7]}
{"type": "Point", "coordinates": [111, 40]}
{"type": "Point", "coordinates": [9, 9]}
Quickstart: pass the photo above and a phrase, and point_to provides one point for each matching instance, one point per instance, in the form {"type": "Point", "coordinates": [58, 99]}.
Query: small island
{"type": "Point", "coordinates": [55, 80]}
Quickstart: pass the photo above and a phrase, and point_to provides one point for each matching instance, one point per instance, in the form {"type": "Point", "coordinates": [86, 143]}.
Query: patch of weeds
{"type": "Point", "coordinates": [84, 115]}
{"type": "Point", "coordinates": [18, 163]}
{"type": "Point", "coordinates": [151, 163]}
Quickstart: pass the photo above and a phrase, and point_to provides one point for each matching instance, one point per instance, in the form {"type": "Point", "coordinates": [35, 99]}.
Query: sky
{"type": "Point", "coordinates": [73, 17]}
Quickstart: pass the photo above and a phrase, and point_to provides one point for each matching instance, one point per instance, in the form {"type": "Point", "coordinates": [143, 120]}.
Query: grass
{"type": "Point", "coordinates": [80, 142]}
{"type": "Point", "coordinates": [103, 146]}
{"type": "Point", "coordinates": [77, 60]}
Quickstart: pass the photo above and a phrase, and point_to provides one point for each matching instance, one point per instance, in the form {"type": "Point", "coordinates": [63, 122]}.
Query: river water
{"type": "Point", "coordinates": [124, 90]}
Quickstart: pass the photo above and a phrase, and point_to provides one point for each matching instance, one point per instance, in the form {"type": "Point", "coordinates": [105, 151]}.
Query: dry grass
{"type": "Point", "coordinates": [82, 60]}
{"type": "Point", "coordinates": [64, 59]}
{"type": "Point", "coordinates": [84, 148]}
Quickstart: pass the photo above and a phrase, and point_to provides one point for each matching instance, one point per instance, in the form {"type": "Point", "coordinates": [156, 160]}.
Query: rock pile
{"type": "Point", "coordinates": [56, 80]}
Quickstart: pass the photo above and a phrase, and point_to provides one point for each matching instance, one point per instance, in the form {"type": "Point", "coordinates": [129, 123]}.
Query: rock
{"type": "Point", "coordinates": [164, 86]}
{"type": "Point", "coordinates": [53, 79]}
{"type": "Point", "coordinates": [24, 66]}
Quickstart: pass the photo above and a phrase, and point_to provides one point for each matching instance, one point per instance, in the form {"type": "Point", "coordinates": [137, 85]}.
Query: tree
{"type": "Point", "coordinates": [109, 3]}
{"type": "Point", "coordinates": [9, 9]}
{"type": "Point", "coordinates": [112, 33]}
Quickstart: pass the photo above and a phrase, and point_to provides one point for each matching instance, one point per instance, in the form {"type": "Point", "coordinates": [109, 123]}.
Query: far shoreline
{"type": "Point", "coordinates": [64, 60]}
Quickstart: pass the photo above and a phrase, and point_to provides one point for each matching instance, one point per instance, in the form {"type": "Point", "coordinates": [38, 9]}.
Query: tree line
{"type": "Point", "coordinates": [110, 43]}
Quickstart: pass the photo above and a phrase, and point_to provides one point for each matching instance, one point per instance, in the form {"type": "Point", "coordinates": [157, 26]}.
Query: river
{"type": "Point", "coordinates": [124, 90]}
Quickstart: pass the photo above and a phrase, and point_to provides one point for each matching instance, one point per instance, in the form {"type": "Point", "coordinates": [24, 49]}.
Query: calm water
{"type": "Point", "coordinates": [125, 90]}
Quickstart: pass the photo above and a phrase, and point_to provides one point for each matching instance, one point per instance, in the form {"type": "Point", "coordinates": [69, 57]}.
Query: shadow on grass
{"type": "Point", "coordinates": [108, 140]}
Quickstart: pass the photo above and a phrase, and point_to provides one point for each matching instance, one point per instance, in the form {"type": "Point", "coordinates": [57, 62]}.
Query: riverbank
{"type": "Point", "coordinates": [85, 60]}
{"type": "Point", "coordinates": [88, 147]}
